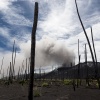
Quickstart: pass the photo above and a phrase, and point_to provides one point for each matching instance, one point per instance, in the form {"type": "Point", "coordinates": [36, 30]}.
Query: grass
{"type": "Point", "coordinates": [6, 82]}
{"type": "Point", "coordinates": [22, 82]}
{"type": "Point", "coordinates": [37, 92]}
{"type": "Point", "coordinates": [45, 84]}
{"type": "Point", "coordinates": [97, 84]}
{"type": "Point", "coordinates": [67, 82]}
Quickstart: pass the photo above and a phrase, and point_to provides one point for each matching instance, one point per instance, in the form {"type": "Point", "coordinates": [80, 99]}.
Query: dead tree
{"type": "Point", "coordinates": [44, 75]}
{"type": "Point", "coordinates": [40, 73]}
{"type": "Point", "coordinates": [1, 65]}
{"type": "Point", "coordinates": [85, 33]}
{"type": "Point", "coordinates": [29, 68]}
{"type": "Point", "coordinates": [94, 53]}
{"type": "Point", "coordinates": [7, 73]}
{"type": "Point", "coordinates": [87, 74]}
{"type": "Point", "coordinates": [33, 39]}
{"type": "Point", "coordinates": [78, 66]}
{"type": "Point", "coordinates": [26, 70]}
{"type": "Point", "coordinates": [10, 74]}
{"type": "Point", "coordinates": [93, 58]}
{"type": "Point", "coordinates": [22, 71]}
{"type": "Point", "coordinates": [73, 83]}
{"type": "Point", "coordinates": [18, 75]}
{"type": "Point", "coordinates": [96, 63]}
{"type": "Point", "coordinates": [12, 66]}
{"type": "Point", "coordinates": [78, 76]}
{"type": "Point", "coordinates": [52, 74]}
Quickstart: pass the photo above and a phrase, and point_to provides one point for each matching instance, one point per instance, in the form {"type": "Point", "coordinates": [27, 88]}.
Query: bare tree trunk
{"type": "Point", "coordinates": [3, 75]}
{"type": "Point", "coordinates": [96, 63]}
{"type": "Point", "coordinates": [29, 68]}
{"type": "Point", "coordinates": [33, 39]}
{"type": "Point", "coordinates": [44, 75]}
{"type": "Point", "coordinates": [78, 77]}
{"type": "Point", "coordinates": [40, 73]}
{"type": "Point", "coordinates": [10, 74]}
{"type": "Point", "coordinates": [1, 65]}
{"type": "Point", "coordinates": [87, 76]}
{"type": "Point", "coordinates": [12, 66]}
{"type": "Point", "coordinates": [18, 75]}
{"type": "Point", "coordinates": [94, 54]}
{"type": "Point", "coordinates": [78, 67]}
{"type": "Point", "coordinates": [23, 71]}
{"type": "Point", "coordinates": [7, 73]}
{"type": "Point", "coordinates": [26, 70]}
{"type": "Point", "coordinates": [85, 33]}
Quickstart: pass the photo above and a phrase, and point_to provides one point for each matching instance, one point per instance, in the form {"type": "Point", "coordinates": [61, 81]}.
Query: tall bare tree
{"type": "Point", "coordinates": [26, 70]}
{"type": "Point", "coordinates": [85, 33]}
{"type": "Point", "coordinates": [13, 60]}
{"type": "Point", "coordinates": [78, 74]}
{"type": "Point", "coordinates": [14, 63]}
{"type": "Point", "coordinates": [10, 74]}
{"type": "Point", "coordinates": [33, 39]}
{"type": "Point", "coordinates": [93, 57]}
{"type": "Point", "coordinates": [1, 65]}
{"type": "Point", "coordinates": [28, 67]}
{"type": "Point", "coordinates": [96, 63]}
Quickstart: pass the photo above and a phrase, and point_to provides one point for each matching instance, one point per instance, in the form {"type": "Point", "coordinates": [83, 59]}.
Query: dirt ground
{"type": "Point", "coordinates": [66, 92]}
{"type": "Point", "coordinates": [52, 92]}
{"type": "Point", "coordinates": [13, 92]}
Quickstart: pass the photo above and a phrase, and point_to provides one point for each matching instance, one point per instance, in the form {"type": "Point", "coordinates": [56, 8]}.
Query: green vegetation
{"type": "Point", "coordinates": [67, 82]}
{"type": "Point", "coordinates": [37, 92]}
{"type": "Point", "coordinates": [22, 82]}
{"type": "Point", "coordinates": [97, 84]}
{"type": "Point", "coordinates": [45, 84]}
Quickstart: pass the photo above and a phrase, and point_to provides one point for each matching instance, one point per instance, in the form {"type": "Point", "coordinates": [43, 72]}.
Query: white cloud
{"type": "Point", "coordinates": [4, 32]}
{"type": "Point", "coordinates": [59, 19]}
{"type": "Point", "coordinates": [73, 42]}
{"type": "Point", "coordinates": [12, 14]}
{"type": "Point", "coordinates": [4, 5]}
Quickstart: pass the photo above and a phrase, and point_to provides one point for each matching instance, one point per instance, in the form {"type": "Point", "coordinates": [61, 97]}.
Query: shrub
{"type": "Point", "coordinates": [37, 92]}
{"type": "Point", "coordinates": [97, 84]}
{"type": "Point", "coordinates": [67, 82]}
{"type": "Point", "coordinates": [22, 82]}
{"type": "Point", "coordinates": [45, 84]}
{"type": "Point", "coordinates": [6, 83]}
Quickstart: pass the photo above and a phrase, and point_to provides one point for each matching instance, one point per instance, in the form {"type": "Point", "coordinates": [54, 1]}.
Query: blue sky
{"type": "Point", "coordinates": [58, 21]}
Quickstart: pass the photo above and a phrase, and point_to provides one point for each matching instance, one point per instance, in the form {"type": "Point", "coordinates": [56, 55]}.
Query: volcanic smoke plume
{"type": "Point", "coordinates": [51, 52]}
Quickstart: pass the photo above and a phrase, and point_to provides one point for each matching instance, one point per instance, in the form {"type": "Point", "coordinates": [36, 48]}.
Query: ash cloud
{"type": "Point", "coordinates": [50, 52]}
